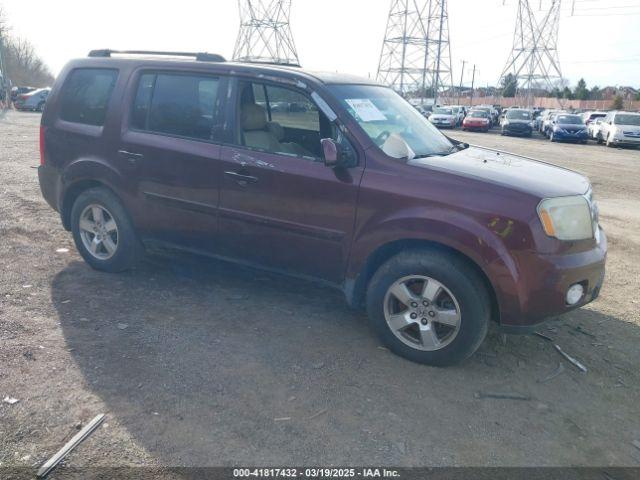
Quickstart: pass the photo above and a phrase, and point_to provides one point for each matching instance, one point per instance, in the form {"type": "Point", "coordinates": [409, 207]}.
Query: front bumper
{"type": "Point", "coordinates": [576, 137]}
{"type": "Point", "coordinates": [626, 140]}
{"type": "Point", "coordinates": [545, 280]}
{"type": "Point", "coordinates": [517, 129]}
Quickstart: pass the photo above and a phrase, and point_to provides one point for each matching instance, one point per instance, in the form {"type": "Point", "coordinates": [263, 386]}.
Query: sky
{"type": "Point", "coordinates": [601, 42]}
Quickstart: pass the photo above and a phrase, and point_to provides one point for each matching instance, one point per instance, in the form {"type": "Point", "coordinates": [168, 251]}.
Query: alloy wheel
{"type": "Point", "coordinates": [422, 312]}
{"type": "Point", "coordinates": [98, 231]}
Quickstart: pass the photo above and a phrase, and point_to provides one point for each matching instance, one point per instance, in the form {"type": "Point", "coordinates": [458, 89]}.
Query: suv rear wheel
{"type": "Point", "coordinates": [429, 307]}
{"type": "Point", "coordinates": [102, 231]}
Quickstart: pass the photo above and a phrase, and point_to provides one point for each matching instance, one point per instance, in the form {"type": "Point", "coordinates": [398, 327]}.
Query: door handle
{"type": "Point", "coordinates": [242, 179]}
{"type": "Point", "coordinates": [132, 157]}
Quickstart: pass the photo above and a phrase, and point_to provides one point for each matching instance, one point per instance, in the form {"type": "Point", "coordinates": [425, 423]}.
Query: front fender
{"type": "Point", "coordinates": [484, 243]}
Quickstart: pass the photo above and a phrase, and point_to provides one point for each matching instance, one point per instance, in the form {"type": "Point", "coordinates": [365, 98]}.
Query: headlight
{"type": "Point", "coordinates": [566, 218]}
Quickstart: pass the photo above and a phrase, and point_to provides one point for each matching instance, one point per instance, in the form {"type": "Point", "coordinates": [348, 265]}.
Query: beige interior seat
{"type": "Point", "coordinates": [260, 133]}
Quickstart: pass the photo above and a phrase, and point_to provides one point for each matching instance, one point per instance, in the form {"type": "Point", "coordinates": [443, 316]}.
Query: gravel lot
{"type": "Point", "coordinates": [201, 363]}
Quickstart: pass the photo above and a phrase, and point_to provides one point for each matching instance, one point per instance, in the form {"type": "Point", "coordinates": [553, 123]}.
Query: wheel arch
{"type": "Point", "coordinates": [355, 289]}
{"type": "Point", "coordinates": [72, 192]}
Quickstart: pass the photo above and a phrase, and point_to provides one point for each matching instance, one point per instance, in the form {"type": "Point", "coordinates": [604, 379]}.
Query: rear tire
{"type": "Point", "coordinates": [103, 232]}
{"type": "Point", "coordinates": [429, 337]}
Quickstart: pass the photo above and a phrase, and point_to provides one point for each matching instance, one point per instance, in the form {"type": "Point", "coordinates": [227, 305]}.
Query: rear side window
{"type": "Point", "coordinates": [86, 94]}
{"type": "Point", "coordinates": [177, 104]}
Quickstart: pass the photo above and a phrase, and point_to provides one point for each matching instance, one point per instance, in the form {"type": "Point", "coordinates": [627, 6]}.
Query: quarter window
{"type": "Point", "coordinates": [86, 94]}
{"type": "Point", "coordinates": [177, 104]}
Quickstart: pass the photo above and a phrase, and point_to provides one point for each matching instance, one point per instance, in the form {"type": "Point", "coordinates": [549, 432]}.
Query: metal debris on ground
{"type": "Point", "coordinates": [62, 250]}
{"type": "Point", "coordinates": [10, 400]}
{"type": "Point", "coordinates": [282, 419]}
{"type": "Point", "coordinates": [503, 396]}
{"type": "Point", "coordinates": [575, 362]}
{"type": "Point", "coordinates": [542, 335]}
{"type": "Point", "coordinates": [70, 445]}
{"type": "Point", "coordinates": [316, 415]}
{"type": "Point", "coordinates": [550, 377]}
{"type": "Point", "coordinates": [123, 326]}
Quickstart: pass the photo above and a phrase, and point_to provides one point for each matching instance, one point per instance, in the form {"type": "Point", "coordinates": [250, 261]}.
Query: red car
{"type": "Point", "coordinates": [477, 120]}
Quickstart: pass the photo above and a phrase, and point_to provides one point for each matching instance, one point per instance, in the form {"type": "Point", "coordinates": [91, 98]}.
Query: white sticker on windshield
{"type": "Point", "coordinates": [366, 110]}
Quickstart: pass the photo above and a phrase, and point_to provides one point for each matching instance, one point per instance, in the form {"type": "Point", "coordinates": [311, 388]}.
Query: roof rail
{"type": "Point", "coordinates": [200, 57]}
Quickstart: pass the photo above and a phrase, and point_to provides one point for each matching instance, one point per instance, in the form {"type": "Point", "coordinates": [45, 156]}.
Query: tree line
{"type": "Point", "coordinates": [509, 87]}
{"type": "Point", "coordinates": [22, 65]}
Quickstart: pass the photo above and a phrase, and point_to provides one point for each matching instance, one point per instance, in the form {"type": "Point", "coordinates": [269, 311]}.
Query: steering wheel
{"type": "Point", "coordinates": [380, 139]}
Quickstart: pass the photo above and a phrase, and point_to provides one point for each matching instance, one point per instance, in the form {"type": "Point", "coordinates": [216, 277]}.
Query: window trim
{"type": "Point", "coordinates": [136, 77]}
{"type": "Point", "coordinates": [108, 106]}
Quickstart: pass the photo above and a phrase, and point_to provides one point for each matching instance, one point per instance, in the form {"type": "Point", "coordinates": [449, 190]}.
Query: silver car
{"type": "Point", "coordinates": [444, 117]}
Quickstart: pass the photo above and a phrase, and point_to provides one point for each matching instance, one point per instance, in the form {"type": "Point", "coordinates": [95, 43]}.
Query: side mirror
{"type": "Point", "coordinates": [330, 152]}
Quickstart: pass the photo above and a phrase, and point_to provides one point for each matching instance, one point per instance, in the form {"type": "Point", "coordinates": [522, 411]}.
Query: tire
{"type": "Point", "coordinates": [40, 107]}
{"type": "Point", "coordinates": [460, 282]}
{"type": "Point", "coordinates": [128, 248]}
{"type": "Point", "coordinates": [608, 142]}
{"type": "Point", "coordinates": [599, 140]}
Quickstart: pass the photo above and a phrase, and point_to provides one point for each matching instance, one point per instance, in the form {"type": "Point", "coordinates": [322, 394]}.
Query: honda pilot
{"type": "Point", "coordinates": [323, 176]}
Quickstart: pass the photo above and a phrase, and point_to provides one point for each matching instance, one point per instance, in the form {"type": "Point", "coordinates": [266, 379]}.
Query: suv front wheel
{"type": "Point", "coordinates": [103, 232]}
{"type": "Point", "coordinates": [429, 306]}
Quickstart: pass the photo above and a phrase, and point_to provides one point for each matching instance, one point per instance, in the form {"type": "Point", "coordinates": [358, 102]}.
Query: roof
{"type": "Point", "coordinates": [205, 59]}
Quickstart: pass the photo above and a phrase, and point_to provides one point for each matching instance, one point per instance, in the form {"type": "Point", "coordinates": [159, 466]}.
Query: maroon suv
{"type": "Point", "coordinates": [319, 175]}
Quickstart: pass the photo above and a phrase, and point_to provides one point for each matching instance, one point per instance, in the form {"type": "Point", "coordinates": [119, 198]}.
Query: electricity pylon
{"type": "Point", "coordinates": [416, 53]}
{"type": "Point", "coordinates": [265, 34]}
{"type": "Point", "coordinates": [534, 61]}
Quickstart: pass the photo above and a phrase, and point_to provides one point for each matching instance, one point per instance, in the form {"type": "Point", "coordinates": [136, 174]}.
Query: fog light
{"type": "Point", "coordinates": [574, 294]}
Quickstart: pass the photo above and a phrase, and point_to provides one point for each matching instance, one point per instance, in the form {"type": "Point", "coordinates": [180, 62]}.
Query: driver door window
{"type": "Point", "coordinates": [281, 120]}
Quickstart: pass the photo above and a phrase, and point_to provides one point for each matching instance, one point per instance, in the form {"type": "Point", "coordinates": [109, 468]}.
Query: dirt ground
{"type": "Point", "coordinates": [200, 363]}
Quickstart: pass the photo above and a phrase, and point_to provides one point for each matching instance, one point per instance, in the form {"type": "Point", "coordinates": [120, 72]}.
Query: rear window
{"type": "Point", "coordinates": [86, 94]}
{"type": "Point", "coordinates": [178, 104]}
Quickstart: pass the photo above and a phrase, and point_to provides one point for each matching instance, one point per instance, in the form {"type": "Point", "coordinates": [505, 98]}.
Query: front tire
{"type": "Point", "coordinates": [103, 232]}
{"type": "Point", "coordinates": [429, 306]}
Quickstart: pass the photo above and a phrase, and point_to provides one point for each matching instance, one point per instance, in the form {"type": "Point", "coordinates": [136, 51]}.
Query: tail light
{"type": "Point", "coordinates": [22, 97]}
{"type": "Point", "coordinates": [42, 145]}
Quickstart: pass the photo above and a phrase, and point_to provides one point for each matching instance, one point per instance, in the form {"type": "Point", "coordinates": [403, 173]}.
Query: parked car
{"type": "Point", "coordinates": [16, 91]}
{"type": "Point", "coordinates": [594, 128]}
{"type": "Point", "coordinates": [33, 101]}
{"type": "Point", "coordinates": [620, 128]}
{"type": "Point", "coordinates": [547, 123]}
{"type": "Point", "coordinates": [518, 122]}
{"type": "Point", "coordinates": [425, 110]}
{"type": "Point", "coordinates": [477, 120]}
{"type": "Point", "coordinates": [444, 117]}
{"type": "Point", "coordinates": [488, 110]}
{"type": "Point", "coordinates": [545, 120]}
{"type": "Point", "coordinates": [568, 127]}
{"type": "Point", "coordinates": [434, 237]}
{"type": "Point", "coordinates": [590, 117]}
{"type": "Point", "coordinates": [459, 113]}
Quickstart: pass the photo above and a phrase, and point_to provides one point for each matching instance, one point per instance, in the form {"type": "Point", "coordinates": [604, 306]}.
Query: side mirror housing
{"type": "Point", "coordinates": [330, 152]}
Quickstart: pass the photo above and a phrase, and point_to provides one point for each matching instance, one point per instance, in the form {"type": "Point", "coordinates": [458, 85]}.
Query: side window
{"type": "Point", "coordinates": [177, 104]}
{"type": "Point", "coordinates": [281, 120]}
{"type": "Point", "coordinates": [86, 94]}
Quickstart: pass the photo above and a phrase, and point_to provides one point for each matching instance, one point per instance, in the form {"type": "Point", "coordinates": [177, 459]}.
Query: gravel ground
{"type": "Point", "coordinates": [201, 363]}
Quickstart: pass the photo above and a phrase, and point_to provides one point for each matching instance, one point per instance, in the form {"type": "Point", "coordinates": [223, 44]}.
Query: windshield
{"type": "Point", "coordinates": [569, 119]}
{"type": "Point", "coordinates": [478, 114]}
{"type": "Point", "coordinates": [381, 112]}
{"type": "Point", "coordinates": [443, 111]}
{"type": "Point", "coordinates": [518, 114]}
{"type": "Point", "coordinates": [627, 119]}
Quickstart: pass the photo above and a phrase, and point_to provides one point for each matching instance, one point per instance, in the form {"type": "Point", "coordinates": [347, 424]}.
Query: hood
{"type": "Point", "coordinates": [517, 120]}
{"type": "Point", "coordinates": [511, 171]}
{"type": "Point", "coordinates": [571, 127]}
{"type": "Point", "coordinates": [441, 116]}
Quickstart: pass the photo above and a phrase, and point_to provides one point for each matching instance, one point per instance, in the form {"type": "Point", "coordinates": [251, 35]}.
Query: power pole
{"type": "Point", "coordinates": [5, 94]}
{"type": "Point", "coordinates": [265, 33]}
{"type": "Point", "coordinates": [464, 62]}
{"type": "Point", "coordinates": [416, 54]}
{"type": "Point", "coordinates": [473, 84]}
{"type": "Point", "coordinates": [534, 61]}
